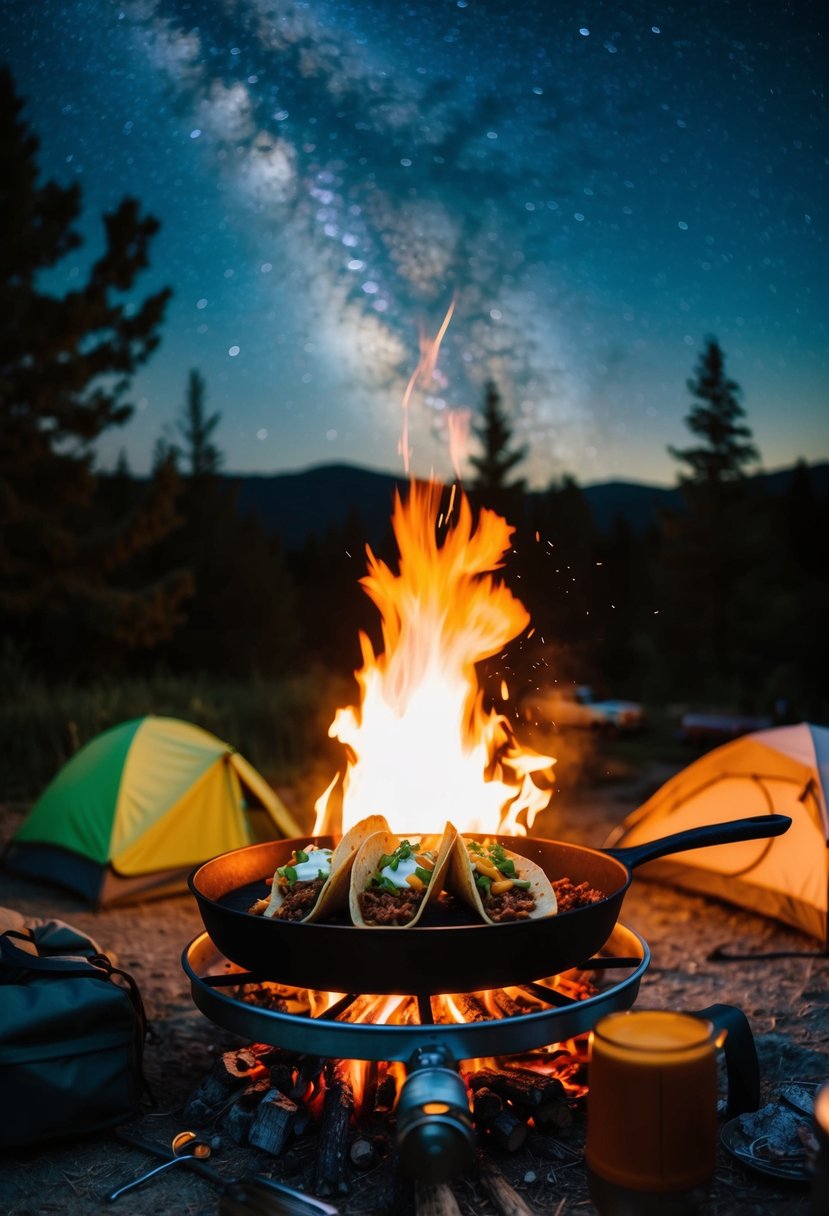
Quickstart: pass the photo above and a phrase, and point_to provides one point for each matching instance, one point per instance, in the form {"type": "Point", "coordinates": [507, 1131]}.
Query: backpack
{"type": "Point", "coordinates": [72, 1031]}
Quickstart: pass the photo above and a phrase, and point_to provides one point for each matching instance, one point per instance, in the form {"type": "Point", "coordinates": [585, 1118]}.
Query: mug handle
{"type": "Point", "coordinates": [741, 1064]}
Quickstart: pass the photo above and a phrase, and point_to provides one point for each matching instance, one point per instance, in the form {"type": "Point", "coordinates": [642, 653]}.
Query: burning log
{"type": "Point", "coordinates": [272, 1123]}
{"type": "Point", "coordinates": [519, 1085]}
{"type": "Point", "coordinates": [508, 1131]}
{"type": "Point", "coordinates": [386, 1095]}
{"type": "Point", "coordinates": [337, 1109]}
{"type": "Point", "coordinates": [486, 1105]}
{"type": "Point", "coordinates": [506, 1005]}
{"type": "Point", "coordinates": [435, 1200]}
{"type": "Point", "coordinates": [504, 1196]}
{"type": "Point", "coordinates": [229, 1073]}
{"type": "Point", "coordinates": [472, 1009]}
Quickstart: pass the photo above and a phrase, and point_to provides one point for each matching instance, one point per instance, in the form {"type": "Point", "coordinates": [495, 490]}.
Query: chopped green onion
{"type": "Point", "coordinates": [301, 855]}
{"type": "Point", "coordinates": [288, 872]}
{"type": "Point", "coordinates": [484, 883]}
{"type": "Point", "coordinates": [424, 875]}
{"type": "Point", "coordinates": [521, 882]}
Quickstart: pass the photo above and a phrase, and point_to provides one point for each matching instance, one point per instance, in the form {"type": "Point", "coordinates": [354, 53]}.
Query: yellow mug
{"type": "Point", "coordinates": [652, 1100]}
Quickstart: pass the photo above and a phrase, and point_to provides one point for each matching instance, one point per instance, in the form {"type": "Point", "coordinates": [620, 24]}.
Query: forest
{"type": "Point", "coordinates": [121, 595]}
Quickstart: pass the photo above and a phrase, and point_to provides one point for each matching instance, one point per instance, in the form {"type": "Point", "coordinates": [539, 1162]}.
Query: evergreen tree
{"type": "Point", "coordinates": [498, 457]}
{"type": "Point", "coordinates": [726, 445]}
{"type": "Point", "coordinates": [66, 366]}
{"type": "Point", "coordinates": [242, 618]}
{"type": "Point", "coordinates": [201, 454]}
{"type": "Point", "coordinates": [716, 560]}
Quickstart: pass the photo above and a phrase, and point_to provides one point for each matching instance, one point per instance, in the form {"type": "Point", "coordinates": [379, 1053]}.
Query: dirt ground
{"type": "Point", "coordinates": [785, 999]}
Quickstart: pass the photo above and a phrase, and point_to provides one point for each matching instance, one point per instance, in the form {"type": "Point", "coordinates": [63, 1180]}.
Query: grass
{"type": "Point", "coordinates": [276, 725]}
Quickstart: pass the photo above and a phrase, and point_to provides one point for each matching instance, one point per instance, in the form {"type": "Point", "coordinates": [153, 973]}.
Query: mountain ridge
{"type": "Point", "coordinates": [299, 505]}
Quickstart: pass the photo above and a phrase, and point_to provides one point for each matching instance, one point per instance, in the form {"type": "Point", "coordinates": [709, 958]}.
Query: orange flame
{"type": "Point", "coordinates": [421, 746]}
{"type": "Point", "coordinates": [422, 374]}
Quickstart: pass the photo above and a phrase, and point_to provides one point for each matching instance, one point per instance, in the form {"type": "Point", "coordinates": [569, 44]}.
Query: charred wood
{"type": "Point", "coordinates": [386, 1095]}
{"type": "Point", "coordinates": [486, 1105]}
{"type": "Point", "coordinates": [337, 1109]}
{"type": "Point", "coordinates": [507, 1131]}
{"type": "Point", "coordinates": [237, 1121]}
{"type": "Point", "coordinates": [520, 1085]}
{"type": "Point", "coordinates": [272, 1123]}
{"type": "Point", "coordinates": [282, 1076]}
{"type": "Point", "coordinates": [555, 1118]}
{"type": "Point", "coordinates": [229, 1073]}
{"type": "Point", "coordinates": [504, 1196]}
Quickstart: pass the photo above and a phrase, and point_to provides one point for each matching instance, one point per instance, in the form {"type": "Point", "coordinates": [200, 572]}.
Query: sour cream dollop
{"type": "Point", "coordinates": [319, 861]}
{"type": "Point", "coordinates": [398, 877]}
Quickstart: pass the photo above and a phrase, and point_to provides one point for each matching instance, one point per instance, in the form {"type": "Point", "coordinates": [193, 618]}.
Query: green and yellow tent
{"type": "Point", "coordinates": [139, 806]}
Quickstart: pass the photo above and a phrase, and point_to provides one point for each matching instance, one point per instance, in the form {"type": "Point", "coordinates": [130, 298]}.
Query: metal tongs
{"type": "Point", "coordinates": [273, 1197]}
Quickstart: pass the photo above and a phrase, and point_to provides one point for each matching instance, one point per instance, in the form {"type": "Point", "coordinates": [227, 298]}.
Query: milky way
{"type": "Point", "coordinates": [598, 188]}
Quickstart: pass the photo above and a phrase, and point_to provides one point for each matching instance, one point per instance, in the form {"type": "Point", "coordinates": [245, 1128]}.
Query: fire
{"type": "Point", "coordinates": [422, 748]}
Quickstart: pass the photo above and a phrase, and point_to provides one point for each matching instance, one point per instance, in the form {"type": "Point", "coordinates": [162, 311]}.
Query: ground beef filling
{"type": "Point", "coordinates": [571, 896]}
{"type": "Point", "coordinates": [518, 903]}
{"type": "Point", "coordinates": [299, 900]}
{"type": "Point", "coordinates": [381, 907]}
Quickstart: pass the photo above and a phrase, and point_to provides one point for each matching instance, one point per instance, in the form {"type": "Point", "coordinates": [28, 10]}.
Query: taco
{"type": "Point", "coordinates": [313, 884]}
{"type": "Point", "coordinates": [500, 884]}
{"type": "Point", "coordinates": [393, 880]}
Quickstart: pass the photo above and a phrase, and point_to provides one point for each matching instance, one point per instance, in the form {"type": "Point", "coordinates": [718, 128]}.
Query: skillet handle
{"type": "Point", "coordinates": [754, 828]}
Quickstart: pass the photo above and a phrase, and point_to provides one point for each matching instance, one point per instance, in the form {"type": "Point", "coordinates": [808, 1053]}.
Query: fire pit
{"type": "Point", "coordinates": [429, 1035]}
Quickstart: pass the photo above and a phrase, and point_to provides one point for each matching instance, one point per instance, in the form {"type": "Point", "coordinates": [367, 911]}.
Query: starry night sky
{"type": "Point", "coordinates": [599, 186]}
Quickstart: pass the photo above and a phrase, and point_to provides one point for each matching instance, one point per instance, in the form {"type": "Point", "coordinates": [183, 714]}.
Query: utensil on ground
{"type": "Point", "coordinates": [184, 1145]}
{"type": "Point", "coordinates": [436, 957]}
{"type": "Point", "coordinates": [286, 1199]}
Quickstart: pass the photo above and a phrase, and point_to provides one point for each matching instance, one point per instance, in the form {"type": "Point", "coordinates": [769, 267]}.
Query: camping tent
{"type": "Point", "coordinates": [135, 809]}
{"type": "Point", "coordinates": [784, 770]}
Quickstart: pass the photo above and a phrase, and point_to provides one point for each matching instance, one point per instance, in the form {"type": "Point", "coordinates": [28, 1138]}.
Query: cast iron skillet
{"type": "Point", "coordinates": [433, 956]}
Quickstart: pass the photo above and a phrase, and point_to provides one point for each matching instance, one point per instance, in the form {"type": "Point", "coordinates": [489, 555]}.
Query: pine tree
{"type": "Point", "coordinates": [715, 563]}
{"type": "Point", "coordinates": [202, 456]}
{"type": "Point", "coordinates": [242, 618]}
{"type": "Point", "coordinates": [727, 445]}
{"type": "Point", "coordinates": [66, 366]}
{"type": "Point", "coordinates": [498, 457]}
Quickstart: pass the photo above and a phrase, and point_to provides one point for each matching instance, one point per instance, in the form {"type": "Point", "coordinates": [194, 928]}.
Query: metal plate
{"type": "Point", "coordinates": [204, 964]}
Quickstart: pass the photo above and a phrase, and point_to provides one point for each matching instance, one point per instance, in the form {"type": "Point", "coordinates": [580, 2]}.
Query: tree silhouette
{"type": "Point", "coordinates": [498, 457]}
{"type": "Point", "coordinates": [727, 443]}
{"type": "Point", "coordinates": [241, 619]}
{"type": "Point", "coordinates": [716, 556]}
{"type": "Point", "coordinates": [201, 454]}
{"type": "Point", "coordinates": [66, 365]}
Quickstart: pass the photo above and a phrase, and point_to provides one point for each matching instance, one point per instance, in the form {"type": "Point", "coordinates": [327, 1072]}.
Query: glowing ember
{"type": "Point", "coordinates": [422, 748]}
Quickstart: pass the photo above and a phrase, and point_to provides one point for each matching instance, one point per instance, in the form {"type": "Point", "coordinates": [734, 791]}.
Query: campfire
{"type": "Point", "coordinates": [422, 748]}
{"type": "Point", "coordinates": [268, 1097]}
{"type": "Point", "coordinates": [435, 1071]}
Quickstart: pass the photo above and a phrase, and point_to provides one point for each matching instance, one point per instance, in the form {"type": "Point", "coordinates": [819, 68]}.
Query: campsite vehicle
{"type": "Point", "coordinates": [434, 956]}
{"type": "Point", "coordinates": [578, 706]}
{"type": "Point", "coordinates": [708, 729]}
